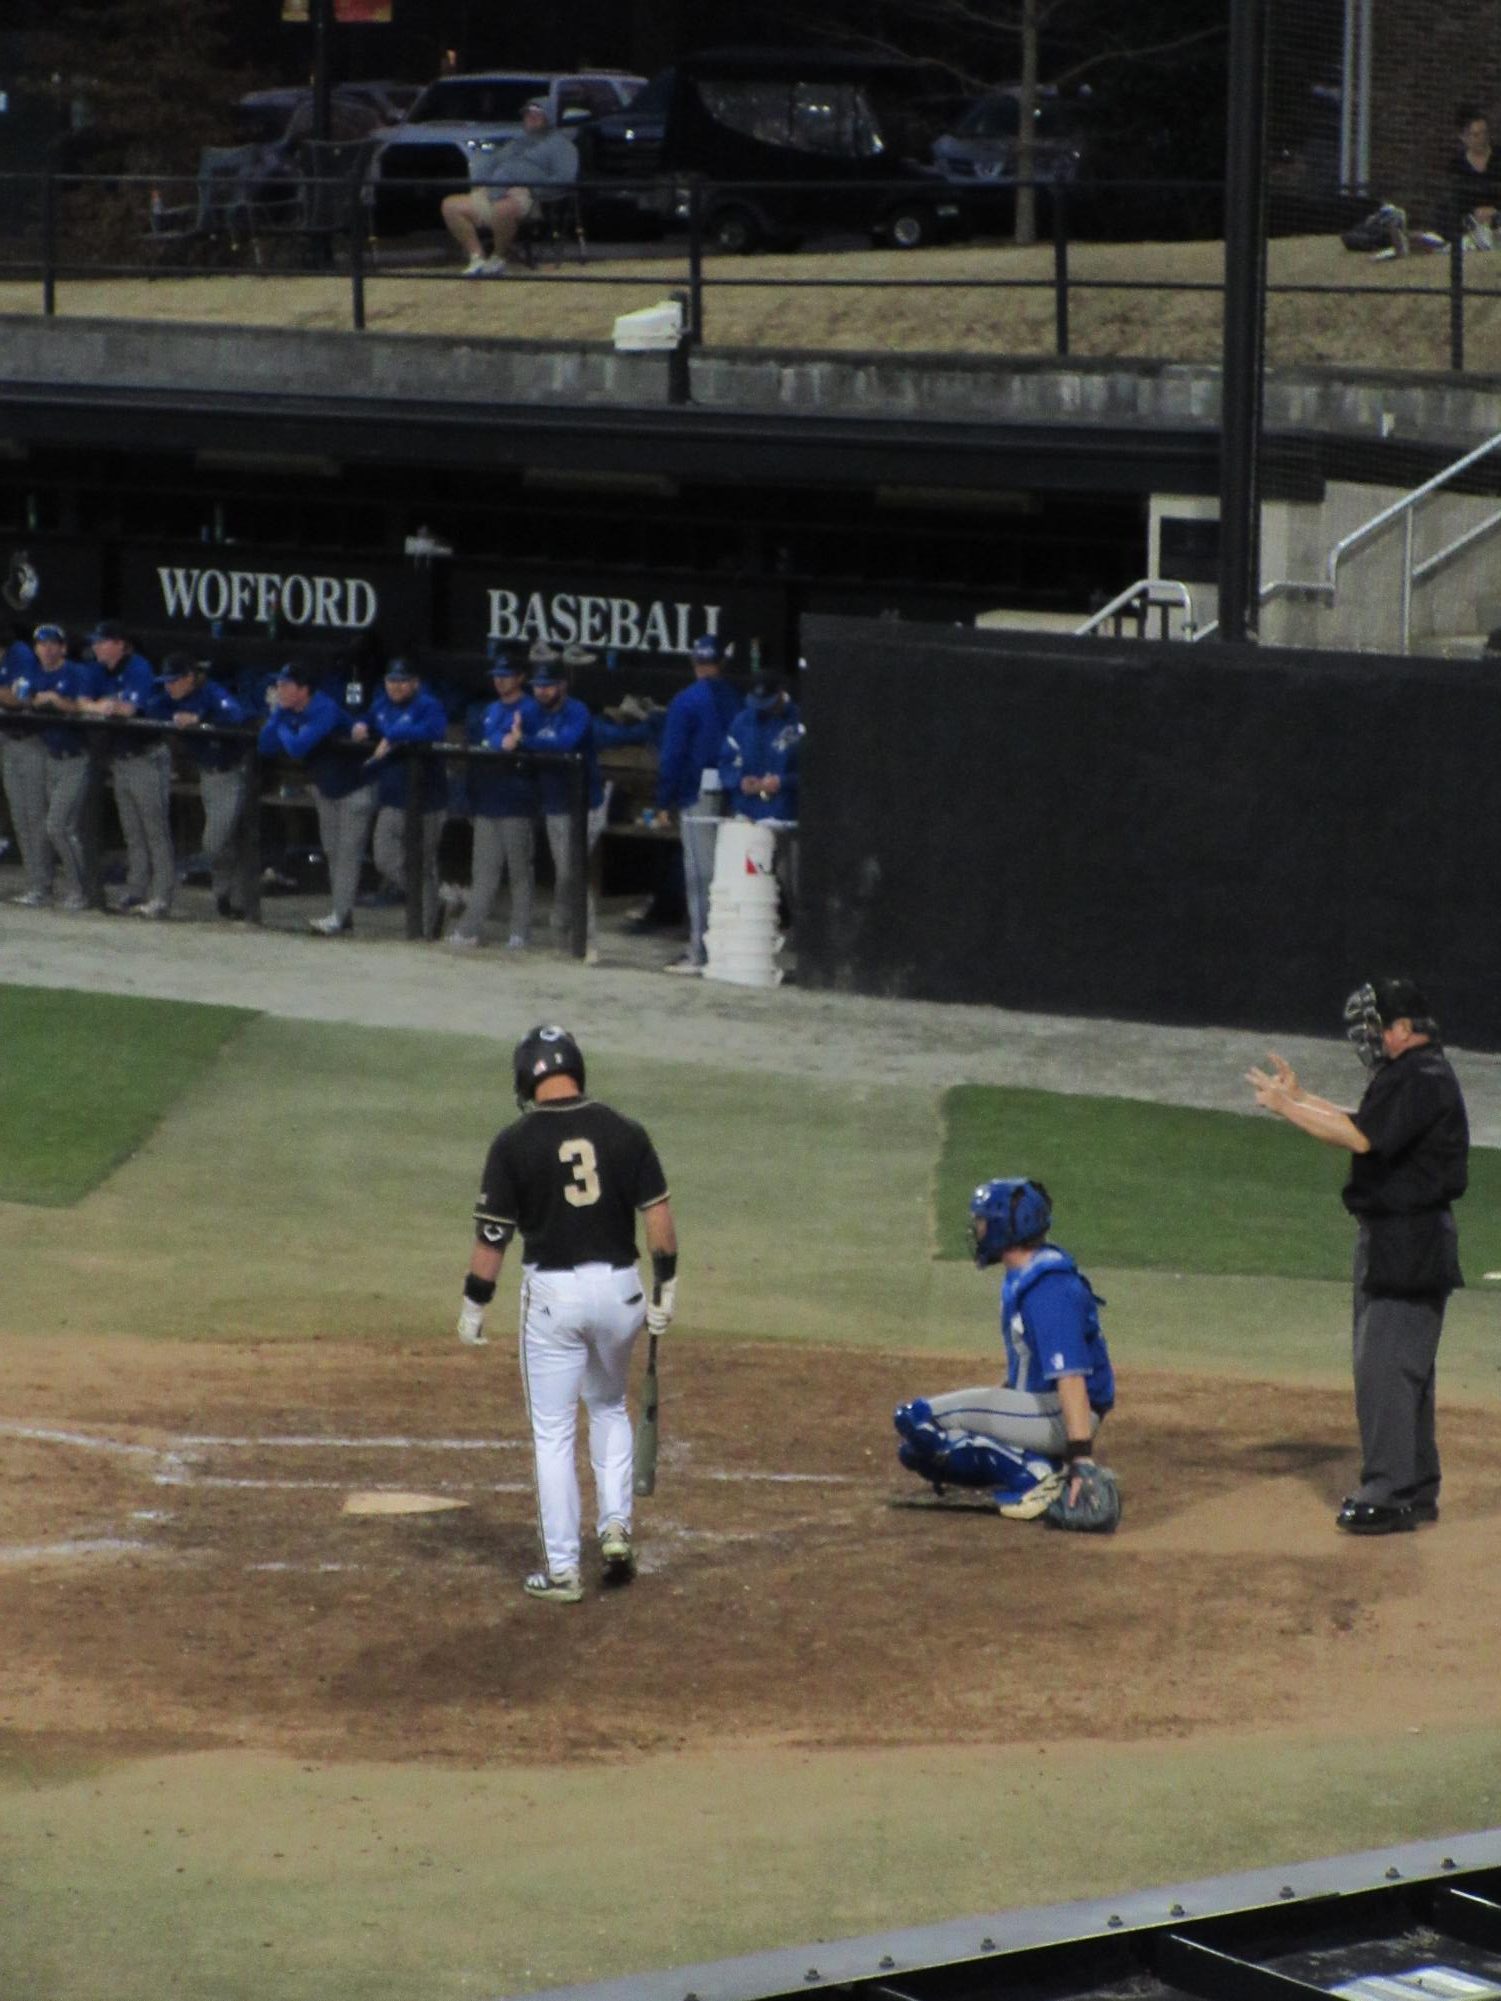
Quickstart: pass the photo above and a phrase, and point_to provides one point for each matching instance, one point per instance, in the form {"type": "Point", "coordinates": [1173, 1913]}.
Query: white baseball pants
{"type": "Point", "coordinates": [577, 1328]}
{"type": "Point", "coordinates": [1027, 1419]}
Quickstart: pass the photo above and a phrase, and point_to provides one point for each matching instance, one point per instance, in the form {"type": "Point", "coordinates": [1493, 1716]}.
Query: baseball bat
{"type": "Point", "coordinates": [646, 1430]}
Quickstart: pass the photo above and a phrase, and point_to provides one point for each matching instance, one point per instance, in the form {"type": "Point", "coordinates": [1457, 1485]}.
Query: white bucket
{"type": "Point", "coordinates": [744, 969]}
{"type": "Point", "coordinates": [743, 853]}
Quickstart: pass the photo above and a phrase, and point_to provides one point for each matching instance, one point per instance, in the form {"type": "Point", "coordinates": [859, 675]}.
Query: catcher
{"type": "Point", "coordinates": [1032, 1441]}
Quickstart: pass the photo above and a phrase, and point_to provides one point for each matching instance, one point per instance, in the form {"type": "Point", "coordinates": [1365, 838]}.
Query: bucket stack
{"type": "Point", "coordinates": [742, 940]}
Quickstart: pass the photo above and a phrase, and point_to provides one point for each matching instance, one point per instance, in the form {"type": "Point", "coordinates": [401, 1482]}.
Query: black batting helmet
{"type": "Point", "coordinates": [545, 1052]}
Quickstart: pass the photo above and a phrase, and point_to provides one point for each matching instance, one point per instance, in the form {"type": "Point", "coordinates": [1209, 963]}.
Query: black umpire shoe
{"type": "Point", "coordinates": [1374, 1518]}
{"type": "Point", "coordinates": [1425, 1511]}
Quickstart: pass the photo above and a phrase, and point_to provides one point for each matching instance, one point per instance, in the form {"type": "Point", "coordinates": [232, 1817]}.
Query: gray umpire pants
{"type": "Point", "coordinates": [1396, 1355]}
{"type": "Point", "coordinates": [143, 793]}
{"type": "Point", "coordinates": [67, 799]}
{"type": "Point", "coordinates": [23, 767]}
{"type": "Point", "coordinates": [344, 829]}
{"type": "Point", "coordinates": [504, 845]}
{"type": "Point", "coordinates": [699, 826]}
{"type": "Point", "coordinates": [391, 855]}
{"type": "Point", "coordinates": [223, 809]}
{"type": "Point", "coordinates": [560, 844]}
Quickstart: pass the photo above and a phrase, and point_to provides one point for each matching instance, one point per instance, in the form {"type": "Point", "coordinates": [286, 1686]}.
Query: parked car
{"type": "Point", "coordinates": [459, 116]}
{"type": "Point", "coordinates": [283, 116]}
{"type": "Point", "coordinates": [785, 143]}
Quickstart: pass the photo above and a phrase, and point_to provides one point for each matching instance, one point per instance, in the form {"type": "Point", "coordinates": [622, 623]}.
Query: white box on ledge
{"type": "Point", "coordinates": [651, 329]}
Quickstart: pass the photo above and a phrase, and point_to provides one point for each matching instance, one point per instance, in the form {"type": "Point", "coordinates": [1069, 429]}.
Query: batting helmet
{"type": "Point", "coordinates": [545, 1052]}
{"type": "Point", "coordinates": [1005, 1214]}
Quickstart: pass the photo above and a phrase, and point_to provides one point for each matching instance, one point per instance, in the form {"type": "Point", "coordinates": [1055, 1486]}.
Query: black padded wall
{"type": "Point", "coordinates": [1197, 834]}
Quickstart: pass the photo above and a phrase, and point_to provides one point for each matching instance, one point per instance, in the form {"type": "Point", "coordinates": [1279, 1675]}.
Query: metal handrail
{"type": "Point", "coordinates": [1409, 502]}
{"type": "Point", "coordinates": [1146, 592]}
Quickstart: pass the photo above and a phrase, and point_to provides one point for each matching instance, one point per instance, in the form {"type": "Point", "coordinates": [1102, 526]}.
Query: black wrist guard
{"type": "Point", "coordinates": [1078, 1448]}
{"type": "Point", "coordinates": [480, 1290]}
{"type": "Point", "coordinates": [664, 1266]}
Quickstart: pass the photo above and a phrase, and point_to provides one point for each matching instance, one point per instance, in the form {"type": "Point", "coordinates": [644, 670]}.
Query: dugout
{"type": "Point", "coordinates": [1196, 834]}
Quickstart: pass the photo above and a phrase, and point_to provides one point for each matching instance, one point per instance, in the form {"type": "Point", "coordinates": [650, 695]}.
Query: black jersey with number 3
{"type": "Point", "coordinates": [570, 1175]}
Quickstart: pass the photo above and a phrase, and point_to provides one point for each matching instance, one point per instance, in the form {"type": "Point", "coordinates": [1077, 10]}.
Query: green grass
{"type": "Point", "coordinates": [1161, 1187]}
{"type": "Point", "coordinates": [85, 1077]}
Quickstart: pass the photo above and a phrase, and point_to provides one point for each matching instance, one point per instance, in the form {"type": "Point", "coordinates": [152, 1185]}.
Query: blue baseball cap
{"type": "Point", "coordinates": [108, 628]}
{"type": "Point", "coordinates": [706, 647]}
{"type": "Point", "coordinates": [295, 671]}
{"type": "Point", "coordinates": [52, 632]}
{"type": "Point", "coordinates": [766, 693]}
{"type": "Point", "coordinates": [401, 670]}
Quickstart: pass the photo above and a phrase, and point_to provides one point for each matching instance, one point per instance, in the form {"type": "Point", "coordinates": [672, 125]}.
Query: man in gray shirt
{"type": "Point", "coordinates": [505, 188]}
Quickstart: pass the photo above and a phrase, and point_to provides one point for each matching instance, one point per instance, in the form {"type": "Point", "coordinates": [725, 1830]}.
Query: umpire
{"type": "Point", "coordinates": [572, 1176]}
{"type": "Point", "coordinates": [1410, 1140]}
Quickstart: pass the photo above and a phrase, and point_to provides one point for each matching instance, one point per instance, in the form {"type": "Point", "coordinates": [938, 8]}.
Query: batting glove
{"type": "Point", "coordinates": [663, 1306]}
{"type": "Point", "coordinates": [472, 1324]}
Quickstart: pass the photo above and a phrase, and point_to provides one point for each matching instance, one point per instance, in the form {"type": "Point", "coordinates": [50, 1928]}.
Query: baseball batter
{"type": "Point", "coordinates": [1031, 1439]}
{"type": "Point", "coordinates": [572, 1175]}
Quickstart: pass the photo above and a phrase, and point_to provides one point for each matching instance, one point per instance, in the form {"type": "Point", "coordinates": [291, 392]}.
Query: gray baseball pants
{"type": "Point", "coordinates": [23, 767]}
{"type": "Point", "coordinates": [699, 826]}
{"type": "Point", "coordinates": [504, 845]}
{"type": "Point", "coordinates": [391, 855]}
{"type": "Point", "coordinates": [1030, 1420]}
{"type": "Point", "coordinates": [67, 797]}
{"type": "Point", "coordinates": [344, 829]}
{"type": "Point", "coordinates": [223, 809]}
{"type": "Point", "coordinates": [1396, 1356]}
{"type": "Point", "coordinates": [143, 789]}
{"type": "Point", "coordinates": [560, 844]}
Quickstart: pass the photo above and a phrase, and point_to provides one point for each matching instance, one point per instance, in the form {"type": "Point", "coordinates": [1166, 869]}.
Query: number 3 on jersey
{"type": "Point", "coordinates": [579, 1156]}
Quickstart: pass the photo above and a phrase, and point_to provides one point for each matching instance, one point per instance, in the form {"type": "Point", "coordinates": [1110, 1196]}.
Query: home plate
{"type": "Point", "coordinates": [381, 1502]}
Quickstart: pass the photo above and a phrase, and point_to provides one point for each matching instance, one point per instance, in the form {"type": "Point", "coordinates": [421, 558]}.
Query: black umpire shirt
{"type": "Point", "coordinates": [1413, 1114]}
{"type": "Point", "coordinates": [571, 1175]}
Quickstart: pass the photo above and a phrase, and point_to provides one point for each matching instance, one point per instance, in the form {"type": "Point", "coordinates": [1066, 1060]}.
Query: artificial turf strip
{"type": "Point", "coordinates": [1166, 1188]}
{"type": "Point", "coordinates": [84, 1078]}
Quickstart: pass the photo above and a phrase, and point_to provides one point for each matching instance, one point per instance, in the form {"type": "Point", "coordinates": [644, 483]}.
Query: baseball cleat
{"type": "Point", "coordinates": [33, 899]}
{"type": "Point", "coordinates": [331, 926]}
{"type": "Point", "coordinates": [566, 1589]}
{"type": "Point", "coordinates": [1034, 1502]}
{"type": "Point", "coordinates": [619, 1556]}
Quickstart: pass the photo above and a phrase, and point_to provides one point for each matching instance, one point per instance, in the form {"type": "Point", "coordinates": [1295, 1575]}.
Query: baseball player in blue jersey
{"type": "Point", "coordinates": [759, 759]}
{"type": "Point", "coordinates": [1030, 1441]}
{"type": "Point", "coordinates": [552, 719]}
{"type": "Point", "coordinates": [689, 783]}
{"type": "Point", "coordinates": [503, 802]}
{"type": "Point", "coordinates": [310, 728]}
{"type": "Point", "coordinates": [140, 769]}
{"type": "Point", "coordinates": [403, 717]}
{"type": "Point", "coordinates": [59, 688]}
{"type": "Point", "coordinates": [190, 701]}
{"type": "Point", "coordinates": [23, 768]}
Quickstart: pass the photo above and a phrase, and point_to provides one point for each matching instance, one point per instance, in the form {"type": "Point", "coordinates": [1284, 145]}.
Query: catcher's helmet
{"type": "Point", "coordinates": [1004, 1214]}
{"type": "Point", "coordinates": [545, 1052]}
{"type": "Point", "coordinates": [1379, 1003]}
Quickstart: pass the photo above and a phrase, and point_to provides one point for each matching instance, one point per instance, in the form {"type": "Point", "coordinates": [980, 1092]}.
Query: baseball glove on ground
{"type": "Point", "coordinates": [1096, 1509]}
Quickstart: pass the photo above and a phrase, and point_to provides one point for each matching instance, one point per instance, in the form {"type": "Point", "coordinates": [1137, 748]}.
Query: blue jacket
{"type": "Point", "coordinates": [698, 719]}
{"type": "Point", "coordinates": [318, 737]}
{"type": "Point", "coordinates": [762, 746]}
{"type": "Point", "coordinates": [211, 703]}
{"type": "Point", "coordinates": [405, 725]}
{"type": "Point", "coordinates": [495, 791]}
{"type": "Point", "coordinates": [75, 680]}
{"type": "Point", "coordinates": [567, 727]}
{"type": "Point", "coordinates": [133, 681]}
{"type": "Point", "coordinates": [1050, 1322]}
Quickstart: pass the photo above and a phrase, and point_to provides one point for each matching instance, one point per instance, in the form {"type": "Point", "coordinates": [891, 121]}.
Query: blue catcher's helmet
{"type": "Point", "coordinates": [1004, 1214]}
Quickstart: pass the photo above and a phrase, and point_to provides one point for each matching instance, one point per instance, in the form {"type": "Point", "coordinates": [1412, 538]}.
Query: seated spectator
{"type": "Point", "coordinates": [1476, 175]}
{"type": "Point", "coordinates": [308, 726]}
{"type": "Point", "coordinates": [404, 716]}
{"type": "Point", "coordinates": [505, 186]}
{"type": "Point", "coordinates": [190, 701]}
{"type": "Point", "coordinates": [553, 720]}
{"type": "Point", "coordinates": [503, 801]}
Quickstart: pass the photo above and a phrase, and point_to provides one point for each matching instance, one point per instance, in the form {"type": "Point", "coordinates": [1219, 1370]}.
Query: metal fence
{"type": "Point", "coordinates": [322, 227]}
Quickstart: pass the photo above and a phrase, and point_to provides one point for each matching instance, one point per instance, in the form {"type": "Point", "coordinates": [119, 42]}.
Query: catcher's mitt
{"type": "Point", "coordinates": [1097, 1507]}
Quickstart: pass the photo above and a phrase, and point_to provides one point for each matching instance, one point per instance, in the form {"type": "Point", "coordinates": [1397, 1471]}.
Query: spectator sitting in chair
{"type": "Point", "coordinates": [1476, 174]}
{"type": "Point", "coordinates": [505, 189]}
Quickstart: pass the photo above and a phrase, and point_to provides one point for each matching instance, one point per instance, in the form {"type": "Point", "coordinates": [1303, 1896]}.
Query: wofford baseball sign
{"type": "Point", "coordinates": [324, 604]}
{"type": "Point", "coordinates": [579, 618]}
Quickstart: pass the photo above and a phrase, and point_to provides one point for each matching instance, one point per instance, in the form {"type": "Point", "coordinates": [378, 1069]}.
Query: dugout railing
{"type": "Point", "coordinates": [329, 229]}
{"type": "Point", "coordinates": [291, 791]}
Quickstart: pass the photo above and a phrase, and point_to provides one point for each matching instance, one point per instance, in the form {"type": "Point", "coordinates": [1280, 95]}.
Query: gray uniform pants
{"type": "Point", "coordinates": [223, 808]}
{"type": "Point", "coordinates": [344, 830]}
{"type": "Point", "coordinates": [1028, 1419]}
{"type": "Point", "coordinates": [23, 766]}
{"type": "Point", "coordinates": [391, 855]}
{"type": "Point", "coordinates": [1396, 1353]}
{"type": "Point", "coordinates": [504, 845]}
{"type": "Point", "coordinates": [559, 831]}
{"type": "Point", "coordinates": [143, 786]}
{"type": "Point", "coordinates": [67, 797]}
{"type": "Point", "coordinates": [699, 826]}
